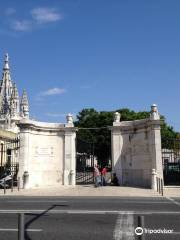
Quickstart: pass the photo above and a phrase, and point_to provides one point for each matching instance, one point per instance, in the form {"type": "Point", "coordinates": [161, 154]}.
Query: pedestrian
{"type": "Point", "coordinates": [115, 180]}
{"type": "Point", "coordinates": [103, 174]}
{"type": "Point", "coordinates": [97, 176]}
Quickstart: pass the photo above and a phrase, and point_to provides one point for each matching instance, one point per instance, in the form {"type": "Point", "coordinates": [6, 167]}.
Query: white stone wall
{"type": "Point", "coordinates": [136, 151]}
{"type": "Point", "coordinates": [47, 154]}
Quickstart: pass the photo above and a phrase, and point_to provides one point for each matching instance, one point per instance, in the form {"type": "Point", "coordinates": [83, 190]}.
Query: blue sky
{"type": "Point", "coordinates": [77, 54]}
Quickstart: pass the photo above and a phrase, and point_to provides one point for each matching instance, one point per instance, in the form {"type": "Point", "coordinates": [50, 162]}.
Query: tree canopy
{"type": "Point", "coordinates": [98, 136]}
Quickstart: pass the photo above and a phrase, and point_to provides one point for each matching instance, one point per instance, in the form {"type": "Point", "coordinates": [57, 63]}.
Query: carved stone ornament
{"type": "Point", "coordinates": [154, 112]}
{"type": "Point", "coordinates": [117, 117]}
{"type": "Point", "coordinates": [69, 118]}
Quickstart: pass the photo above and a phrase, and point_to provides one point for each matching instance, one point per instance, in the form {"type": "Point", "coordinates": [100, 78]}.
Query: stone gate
{"type": "Point", "coordinates": [136, 150]}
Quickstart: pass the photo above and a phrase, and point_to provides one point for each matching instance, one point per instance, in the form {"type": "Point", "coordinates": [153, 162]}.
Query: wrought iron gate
{"type": "Point", "coordinates": [9, 157]}
{"type": "Point", "coordinates": [84, 162]}
{"type": "Point", "coordinates": [171, 161]}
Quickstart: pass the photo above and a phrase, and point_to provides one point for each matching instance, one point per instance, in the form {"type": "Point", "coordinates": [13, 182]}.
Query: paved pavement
{"type": "Point", "coordinates": [90, 217]}
{"type": "Point", "coordinates": [90, 190]}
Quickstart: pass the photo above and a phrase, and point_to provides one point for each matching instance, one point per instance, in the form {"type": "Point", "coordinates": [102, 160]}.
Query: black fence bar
{"type": "Point", "coordinates": [141, 224]}
{"type": "Point", "coordinates": [162, 192]}
{"type": "Point", "coordinates": [21, 226]}
{"type": "Point", "coordinates": [12, 184]}
{"type": "Point", "coordinates": [18, 183]}
{"type": "Point", "coordinates": [4, 186]}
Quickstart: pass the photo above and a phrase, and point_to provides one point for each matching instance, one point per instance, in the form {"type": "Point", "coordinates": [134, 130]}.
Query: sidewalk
{"type": "Point", "coordinates": [172, 191]}
{"type": "Point", "coordinates": [90, 191]}
{"type": "Point", "coordinates": [84, 190]}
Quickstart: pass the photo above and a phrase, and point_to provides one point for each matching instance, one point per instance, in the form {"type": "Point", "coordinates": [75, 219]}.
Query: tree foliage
{"type": "Point", "coordinates": [99, 136]}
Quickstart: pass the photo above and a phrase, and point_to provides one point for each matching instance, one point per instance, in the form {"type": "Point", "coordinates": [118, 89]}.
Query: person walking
{"type": "Point", "coordinates": [97, 176]}
{"type": "Point", "coordinates": [103, 174]}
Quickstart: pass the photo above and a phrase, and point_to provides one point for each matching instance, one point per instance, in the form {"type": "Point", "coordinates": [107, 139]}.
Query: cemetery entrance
{"type": "Point", "coordinates": [171, 161]}
{"type": "Point", "coordinates": [93, 147]}
{"type": "Point", "coordinates": [85, 162]}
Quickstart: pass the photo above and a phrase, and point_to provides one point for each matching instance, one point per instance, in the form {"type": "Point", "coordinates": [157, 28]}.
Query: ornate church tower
{"type": "Point", "coordinates": [10, 110]}
{"type": "Point", "coordinates": [5, 90]}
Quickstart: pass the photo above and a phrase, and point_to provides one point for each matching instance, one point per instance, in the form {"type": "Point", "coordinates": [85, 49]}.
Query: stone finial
{"type": "Point", "coordinates": [154, 113]}
{"type": "Point", "coordinates": [69, 118]}
{"type": "Point", "coordinates": [24, 106]}
{"type": "Point", "coordinates": [14, 102]}
{"type": "Point", "coordinates": [15, 94]}
{"type": "Point", "coordinates": [117, 117]}
{"type": "Point", "coordinates": [6, 62]}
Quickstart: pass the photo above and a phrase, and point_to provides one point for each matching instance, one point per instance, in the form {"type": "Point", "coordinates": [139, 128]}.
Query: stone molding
{"type": "Point", "coordinates": [136, 125]}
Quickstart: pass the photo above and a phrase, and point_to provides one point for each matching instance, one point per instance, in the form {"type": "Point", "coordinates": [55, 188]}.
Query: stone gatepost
{"type": "Point", "coordinates": [69, 152]}
{"type": "Point", "coordinates": [116, 147]}
{"type": "Point", "coordinates": [47, 153]}
{"type": "Point", "coordinates": [136, 150]}
{"type": "Point", "coordinates": [156, 154]}
{"type": "Point", "coordinates": [23, 156]}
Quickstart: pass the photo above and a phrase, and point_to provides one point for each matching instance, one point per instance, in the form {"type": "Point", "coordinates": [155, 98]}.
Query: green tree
{"type": "Point", "coordinates": [98, 135]}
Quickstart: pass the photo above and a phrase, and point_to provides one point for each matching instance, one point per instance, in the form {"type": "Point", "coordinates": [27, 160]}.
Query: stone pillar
{"type": "Point", "coordinates": [69, 159]}
{"type": "Point", "coordinates": [156, 149]}
{"type": "Point", "coordinates": [23, 156]}
{"type": "Point", "coordinates": [69, 152]}
{"type": "Point", "coordinates": [156, 154]}
{"type": "Point", "coordinates": [116, 147]}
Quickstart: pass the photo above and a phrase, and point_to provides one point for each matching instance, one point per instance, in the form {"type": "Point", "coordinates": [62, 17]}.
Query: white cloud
{"type": "Point", "coordinates": [53, 91]}
{"type": "Point", "coordinates": [23, 25]}
{"type": "Point", "coordinates": [45, 15]}
{"type": "Point", "coordinates": [10, 11]}
{"type": "Point", "coordinates": [38, 16]}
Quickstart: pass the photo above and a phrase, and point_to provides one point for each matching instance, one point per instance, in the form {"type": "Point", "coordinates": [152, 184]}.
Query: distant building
{"type": "Point", "coordinates": [170, 156]}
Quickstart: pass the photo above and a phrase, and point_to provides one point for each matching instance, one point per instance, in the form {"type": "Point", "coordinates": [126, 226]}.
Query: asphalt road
{"type": "Point", "coordinates": [71, 218]}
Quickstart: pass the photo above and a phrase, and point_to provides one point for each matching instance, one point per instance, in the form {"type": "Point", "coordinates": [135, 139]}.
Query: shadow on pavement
{"type": "Point", "coordinates": [36, 216]}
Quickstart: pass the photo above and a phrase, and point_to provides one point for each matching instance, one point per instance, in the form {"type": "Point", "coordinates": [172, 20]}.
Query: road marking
{"type": "Point", "coordinates": [79, 211]}
{"type": "Point", "coordinates": [36, 201]}
{"type": "Point", "coordinates": [56, 201]}
{"type": "Point", "coordinates": [174, 201]}
{"type": "Point", "coordinates": [175, 232]}
{"type": "Point", "coordinates": [124, 228]}
{"type": "Point", "coordinates": [16, 230]}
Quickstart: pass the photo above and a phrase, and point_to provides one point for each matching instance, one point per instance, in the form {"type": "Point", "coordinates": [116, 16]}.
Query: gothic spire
{"type": "Point", "coordinates": [5, 89]}
{"type": "Point", "coordinates": [24, 106]}
{"type": "Point", "coordinates": [14, 94]}
{"type": "Point", "coordinates": [14, 102]}
{"type": "Point", "coordinates": [10, 105]}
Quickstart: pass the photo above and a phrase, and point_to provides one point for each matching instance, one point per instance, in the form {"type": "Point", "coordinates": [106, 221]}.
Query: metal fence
{"type": "Point", "coordinates": [171, 161]}
{"type": "Point", "coordinates": [9, 162]}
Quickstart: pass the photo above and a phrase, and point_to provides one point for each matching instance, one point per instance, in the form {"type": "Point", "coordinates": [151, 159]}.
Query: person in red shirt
{"type": "Point", "coordinates": [103, 174]}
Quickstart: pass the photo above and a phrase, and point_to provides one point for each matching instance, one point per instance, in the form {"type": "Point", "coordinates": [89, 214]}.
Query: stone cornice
{"type": "Point", "coordinates": [27, 124]}
{"type": "Point", "coordinates": [135, 125]}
